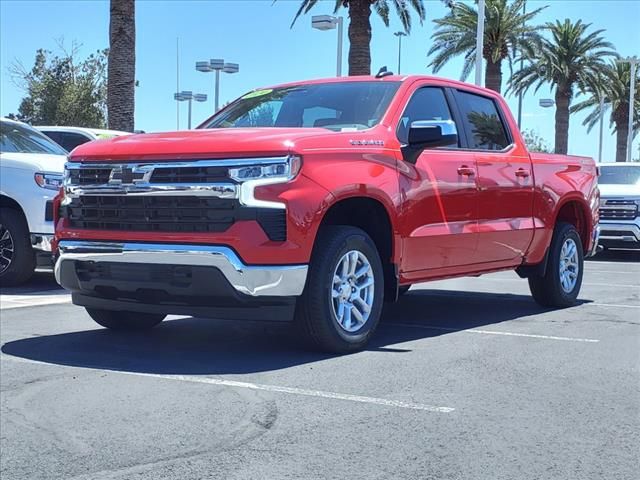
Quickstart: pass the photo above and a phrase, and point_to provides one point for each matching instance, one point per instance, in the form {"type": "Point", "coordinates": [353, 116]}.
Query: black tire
{"type": "Point", "coordinates": [17, 259]}
{"type": "Point", "coordinates": [547, 289]}
{"type": "Point", "coordinates": [315, 312]}
{"type": "Point", "coordinates": [402, 290]}
{"type": "Point", "coordinates": [125, 321]}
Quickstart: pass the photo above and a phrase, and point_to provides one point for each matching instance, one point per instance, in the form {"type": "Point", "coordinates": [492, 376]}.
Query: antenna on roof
{"type": "Point", "coordinates": [383, 72]}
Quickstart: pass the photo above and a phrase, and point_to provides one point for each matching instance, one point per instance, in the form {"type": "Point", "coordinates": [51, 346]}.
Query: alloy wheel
{"type": "Point", "coordinates": [353, 291]}
{"type": "Point", "coordinates": [569, 265]}
{"type": "Point", "coordinates": [6, 249]}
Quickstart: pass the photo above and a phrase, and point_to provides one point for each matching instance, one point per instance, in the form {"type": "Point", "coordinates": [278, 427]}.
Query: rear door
{"type": "Point", "coordinates": [505, 180]}
{"type": "Point", "coordinates": [439, 216]}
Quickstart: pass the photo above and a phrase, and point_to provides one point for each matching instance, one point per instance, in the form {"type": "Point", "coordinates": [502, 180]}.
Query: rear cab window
{"type": "Point", "coordinates": [483, 122]}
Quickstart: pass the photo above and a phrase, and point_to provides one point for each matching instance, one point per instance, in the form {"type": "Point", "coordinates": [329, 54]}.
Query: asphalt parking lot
{"type": "Point", "coordinates": [466, 379]}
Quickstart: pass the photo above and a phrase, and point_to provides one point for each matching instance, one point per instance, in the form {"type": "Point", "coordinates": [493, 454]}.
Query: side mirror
{"type": "Point", "coordinates": [425, 134]}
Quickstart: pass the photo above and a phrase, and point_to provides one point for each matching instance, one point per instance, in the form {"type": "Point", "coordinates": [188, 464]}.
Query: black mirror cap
{"type": "Point", "coordinates": [429, 134]}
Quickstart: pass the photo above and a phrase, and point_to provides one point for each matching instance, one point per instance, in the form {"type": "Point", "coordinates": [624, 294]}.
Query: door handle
{"type": "Point", "coordinates": [522, 173]}
{"type": "Point", "coordinates": [466, 171]}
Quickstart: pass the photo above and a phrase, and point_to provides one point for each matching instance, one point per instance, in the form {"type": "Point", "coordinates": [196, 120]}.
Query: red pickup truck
{"type": "Point", "coordinates": [317, 201]}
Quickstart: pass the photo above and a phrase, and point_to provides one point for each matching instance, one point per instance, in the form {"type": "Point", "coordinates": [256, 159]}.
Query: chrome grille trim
{"type": "Point", "coordinates": [136, 178]}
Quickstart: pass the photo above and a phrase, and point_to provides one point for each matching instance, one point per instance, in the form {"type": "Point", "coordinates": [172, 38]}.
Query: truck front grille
{"type": "Point", "coordinates": [169, 214]}
{"type": "Point", "coordinates": [89, 175]}
{"type": "Point", "coordinates": [100, 175]}
{"type": "Point", "coordinates": [618, 210]}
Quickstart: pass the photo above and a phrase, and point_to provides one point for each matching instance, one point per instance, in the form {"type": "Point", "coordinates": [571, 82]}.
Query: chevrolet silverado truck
{"type": "Point", "coordinates": [321, 199]}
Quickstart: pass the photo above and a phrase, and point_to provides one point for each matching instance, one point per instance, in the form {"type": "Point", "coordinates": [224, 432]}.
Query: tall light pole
{"type": "Point", "coordinates": [329, 22]}
{"type": "Point", "coordinates": [521, 94]}
{"type": "Point", "coordinates": [479, 42]}
{"type": "Point", "coordinates": [400, 35]}
{"type": "Point", "coordinates": [633, 62]}
{"type": "Point", "coordinates": [217, 65]}
{"type": "Point", "coordinates": [189, 96]}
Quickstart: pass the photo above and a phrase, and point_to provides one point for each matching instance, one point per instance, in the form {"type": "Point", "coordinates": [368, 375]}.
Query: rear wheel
{"type": "Point", "coordinates": [342, 301]}
{"type": "Point", "coordinates": [560, 285]}
{"type": "Point", "coordinates": [117, 320]}
{"type": "Point", "coordinates": [17, 260]}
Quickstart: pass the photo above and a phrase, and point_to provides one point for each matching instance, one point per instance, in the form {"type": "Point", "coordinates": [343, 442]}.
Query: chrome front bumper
{"type": "Point", "coordinates": [255, 281]}
{"type": "Point", "coordinates": [620, 231]}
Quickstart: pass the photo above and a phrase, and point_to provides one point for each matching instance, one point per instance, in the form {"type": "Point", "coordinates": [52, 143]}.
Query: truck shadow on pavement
{"type": "Point", "coordinates": [203, 346]}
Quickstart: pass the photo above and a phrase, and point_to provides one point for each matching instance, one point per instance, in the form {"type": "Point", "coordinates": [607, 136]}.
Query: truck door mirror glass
{"type": "Point", "coordinates": [425, 134]}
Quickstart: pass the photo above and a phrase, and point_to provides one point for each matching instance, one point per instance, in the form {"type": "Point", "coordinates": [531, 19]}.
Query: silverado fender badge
{"type": "Point", "coordinates": [379, 143]}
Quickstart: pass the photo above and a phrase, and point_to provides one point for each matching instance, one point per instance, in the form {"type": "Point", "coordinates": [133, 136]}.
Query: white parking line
{"type": "Point", "coordinates": [615, 272]}
{"type": "Point", "coordinates": [615, 305]}
{"type": "Point", "coordinates": [493, 332]}
{"type": "Point", "coordinates": [38, 299]}
{"type": "Point", "coordinates": [258, 386]}
{"type": "Point", "coordinates": [590, 284]}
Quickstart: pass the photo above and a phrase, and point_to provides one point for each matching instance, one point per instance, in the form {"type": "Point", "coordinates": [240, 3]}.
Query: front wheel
{"type": "Point", "coordinates": [17, 261]}
{"type": "Point", "coordinates": [342, 301]}
{"type": "Point", "coordinates": [116, 320]}
{"type": "Point", "coordinates": [560, 285]}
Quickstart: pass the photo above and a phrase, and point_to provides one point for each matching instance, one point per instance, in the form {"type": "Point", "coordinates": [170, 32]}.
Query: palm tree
{"type": "Point", "coordinates": [613, 87]}
{"type": "Point", "coordinates": [506, 29]}
{"type": "Point", "coordinates": [121, 69]}
{"type": "Point", "coordinates": [360, 24]}
{"type": "Point", "coordinates": [570, 58]}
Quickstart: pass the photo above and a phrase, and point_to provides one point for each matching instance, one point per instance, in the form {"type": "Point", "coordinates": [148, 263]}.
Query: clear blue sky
{"type": "Point", "coordinates": [256, 34]}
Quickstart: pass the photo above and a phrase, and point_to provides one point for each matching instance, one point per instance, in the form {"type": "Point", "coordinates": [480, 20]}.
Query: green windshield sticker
{"type": "Point", "coordinates": [257, 93]}
{"type": "Point", "coordinates": [105, 135]}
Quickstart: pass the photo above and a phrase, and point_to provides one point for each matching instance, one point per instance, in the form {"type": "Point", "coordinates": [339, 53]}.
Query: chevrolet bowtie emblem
{"type": "Point", "coordinates": [129, 175]}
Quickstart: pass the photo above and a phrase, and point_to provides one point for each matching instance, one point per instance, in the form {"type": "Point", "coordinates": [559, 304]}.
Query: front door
{"type": "Point", "coordinates": [439, 218]}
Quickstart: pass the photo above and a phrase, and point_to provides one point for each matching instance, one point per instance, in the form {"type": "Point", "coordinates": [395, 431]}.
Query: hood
{"type": "Point", "coordinates": [36, 162]}
{"type": "Point", "coordinates": [193, 144]}
{"type": "Point", "coordinates": [616, 190]}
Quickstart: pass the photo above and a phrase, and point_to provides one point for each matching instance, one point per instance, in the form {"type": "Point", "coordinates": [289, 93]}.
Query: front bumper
{"type": "Point", "coordinates": [246, 280]}
{"type": "Point", "coordinates": [620, 234]}
{"type": "Point", "coordinates": [195, 280]}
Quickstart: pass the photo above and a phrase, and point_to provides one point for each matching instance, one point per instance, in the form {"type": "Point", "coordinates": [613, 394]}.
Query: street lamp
{"type": "Point", "coordinates": [217, 65]}
{"type": "Point", "coordinates": [633, 62]}
{"type": "Point", "coordinates": [189, 96]}
{"type": "Point", "coordinates": [329, 22]}
{"type": "Point", "coordinates": [479, 42]}
{"type": "Point", "coordinates": [399, 35]}
{"type": "Point", "coordinates": [546, 102]}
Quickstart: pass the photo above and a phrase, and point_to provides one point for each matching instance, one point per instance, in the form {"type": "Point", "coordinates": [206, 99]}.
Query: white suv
{"type": "Point", "coordinates": [31, 167]}
{"type": "Point", "coordinates": [619, 205]}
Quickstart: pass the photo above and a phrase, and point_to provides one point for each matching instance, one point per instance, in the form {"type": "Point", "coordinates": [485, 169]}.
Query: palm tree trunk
{"type": "Point", "coordinates": [122, 65]}
{"type": "Point", "coordinates": [493, 75]}
{"type": "Point", "coordinates": [622, 133]}
{"type": "Point", "coordinates": [359, 37]}
{"type": "Point", "coordinates": [562, 120]}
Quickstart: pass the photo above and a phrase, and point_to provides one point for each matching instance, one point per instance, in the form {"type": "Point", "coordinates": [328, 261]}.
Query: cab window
{"type": "Point", "coordinates": [482, 121]}
{"type": "Point", "coordinates": [427, 103]}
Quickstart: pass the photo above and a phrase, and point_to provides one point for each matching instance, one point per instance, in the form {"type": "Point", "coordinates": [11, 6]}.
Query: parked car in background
{"type": "Point", "coordinates": [620, 205]}
{"type": "Point", "coordinates": [322, 198]}
{"type": "Point", "coordinates": [70, 137]}
{"type": "Point", "coordinates": [31, 167]}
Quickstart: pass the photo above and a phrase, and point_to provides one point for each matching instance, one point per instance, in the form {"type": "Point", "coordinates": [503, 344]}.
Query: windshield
{"type": "Point", "coordinates": [620, 175]}
{"type": "Point", "coordinates": [335, 106]}
{"type": "Point", "coordinates": [16, 138]}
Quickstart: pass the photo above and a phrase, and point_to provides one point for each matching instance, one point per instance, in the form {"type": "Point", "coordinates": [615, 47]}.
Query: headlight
{"type": "Point", "coordinates": [278, 170]}
{"type": "Point", "coordinates": [50, 181]}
